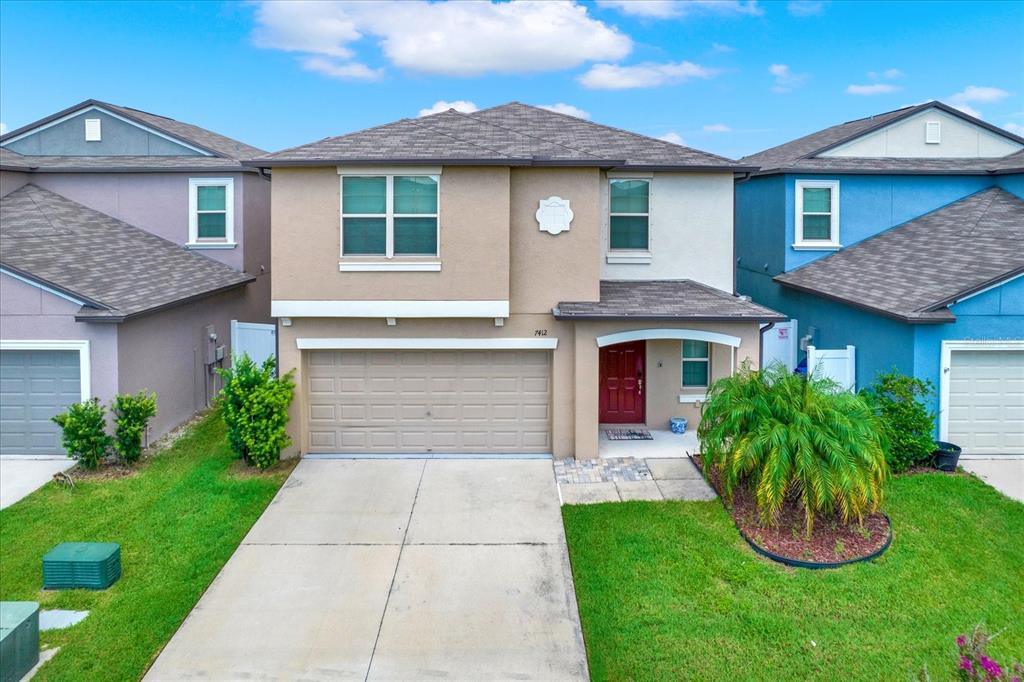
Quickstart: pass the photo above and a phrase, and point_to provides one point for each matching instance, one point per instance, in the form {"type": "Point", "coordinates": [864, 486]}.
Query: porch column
{"type": "Point", "coordinates": [586, 390]}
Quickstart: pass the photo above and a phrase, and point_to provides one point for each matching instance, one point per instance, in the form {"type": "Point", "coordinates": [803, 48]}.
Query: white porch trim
{"type": "Point", "coordinates": [945, 363]}
{"type": "Point", "coordinates": [681, 334]}
{"type": "Point", "coordinates": [404, 309]}
{"type": "Point", "coordinates": [84, 369]}
{"type": "Point", "coordinates": [452, 343]}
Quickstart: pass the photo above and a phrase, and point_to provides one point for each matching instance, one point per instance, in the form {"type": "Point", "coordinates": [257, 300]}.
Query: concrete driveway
{"type": "Point", "coordinates": [21, 475]}
{"type": "Point", "coordinates": [393, 570]}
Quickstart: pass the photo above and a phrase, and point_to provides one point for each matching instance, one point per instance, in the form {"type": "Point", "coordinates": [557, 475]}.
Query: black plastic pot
{"type": "Point", "coordinates": [946, 456]}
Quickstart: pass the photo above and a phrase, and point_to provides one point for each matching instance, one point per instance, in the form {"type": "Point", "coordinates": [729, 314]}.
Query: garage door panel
{"type": "Point", "coordinates": [985, 413]}
{"type": "Point", "coordinates": [34, 386]}
{"type": "Point", "coordinates": [430, 401]}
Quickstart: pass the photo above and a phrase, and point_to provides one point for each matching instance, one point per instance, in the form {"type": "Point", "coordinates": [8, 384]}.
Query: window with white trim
{"type": "Point", "coordinates": [696, 361]}
{"type": "Point", "coordinates": [817, 214]}
{"type": "Point", "coordinates": [211, 212]}
{"type": "Point", "coordinates": [629, 215]}
{"type": "Point", "coordinates": [389, 215]}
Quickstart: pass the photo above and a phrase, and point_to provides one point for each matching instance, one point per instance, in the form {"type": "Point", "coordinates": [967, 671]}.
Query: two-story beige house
{"type": "Point", "coordinates": [507, 281]}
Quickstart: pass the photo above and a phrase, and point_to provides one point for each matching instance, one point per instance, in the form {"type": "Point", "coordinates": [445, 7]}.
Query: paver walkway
{"type": "Point", "coordinates": [393, 570]}
{"type": "Point", "coordinates": [626, 478]}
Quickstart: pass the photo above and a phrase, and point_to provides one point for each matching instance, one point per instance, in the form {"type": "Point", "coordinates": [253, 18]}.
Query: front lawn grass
{"type": "Point", "coordinates": [669, 590]}
{"type": "Point", "coordinates": [178, 520]}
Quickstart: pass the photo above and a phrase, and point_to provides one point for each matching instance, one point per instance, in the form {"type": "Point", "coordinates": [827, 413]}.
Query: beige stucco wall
{"type": "Point", "coordinates": [574, 406]}
{"type": "Point", "coordinates": [550, 268]}
{"type": "Point", "coordinates": [473, 246]}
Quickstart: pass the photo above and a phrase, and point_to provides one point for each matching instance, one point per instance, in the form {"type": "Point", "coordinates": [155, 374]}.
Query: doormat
{"type": "Point", "coordinates": [629, 434]}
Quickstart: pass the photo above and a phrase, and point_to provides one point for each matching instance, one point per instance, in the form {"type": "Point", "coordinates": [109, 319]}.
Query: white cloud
{"type": "Point", "coordinates": [666, 9]}
{"type": "Point", "coordinates": [872, 89]}
{"type": "Point", "coordinates": [785, 79]}
{"type": "Point", "coordinates": [563, 108]}
{"type": "Point", "coordinates": [673, 137]}
{"type": "Point", "coordinates": [646, 75]}
{"type": "Point", "coordinates": [805, 8]}
{"type": "Point", "coordinates": [719, 48]}
{"type": "Point", "coordinates": [465, 106]}
{"type": "Point", "coordinates": [974, 94]}
{"type": "Point", "coordinates": [717, 128]}
{"type": "Point", "coordinates": [453, 39]}
{"type": "Point", "coordinates": [3, 128]}
{"type": "Point", "coordinates": [1015, 128]}
{"type": "Point", "coordinates": [345, 71]}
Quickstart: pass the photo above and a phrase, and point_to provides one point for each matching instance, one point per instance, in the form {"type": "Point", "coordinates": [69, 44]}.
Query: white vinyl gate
{"type": "Point", "coordinates": [838, 364]}
{"type": "Point", "coordinates": [779, 345]}
{"type": "Point", "coordinates": [258, 340]}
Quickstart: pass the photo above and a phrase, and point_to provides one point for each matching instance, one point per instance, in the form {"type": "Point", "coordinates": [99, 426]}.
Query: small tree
{"type": "Point", "coordinates": [131, 416]}
{"type": "Point", "coordinates": [254, 404]}
{"type": "Point", "coordinates": [788, 436]}
{"type": "Point", "coordinates": [84, 433]}
{"type": "Point", "coordinates": [900, 402]}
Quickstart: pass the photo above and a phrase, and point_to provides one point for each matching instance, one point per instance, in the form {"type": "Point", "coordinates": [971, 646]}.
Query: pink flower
{"type": "Point", "coordinates": [965, 663]}
{"type": "Point", "coordinates": [961, 640]}
{"type": "Point", "coordinates": [991, 667]}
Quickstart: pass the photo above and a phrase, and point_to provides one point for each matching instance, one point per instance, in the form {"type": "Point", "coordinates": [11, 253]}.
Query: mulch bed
{"type": "Point", "coordinates": [831, 542]}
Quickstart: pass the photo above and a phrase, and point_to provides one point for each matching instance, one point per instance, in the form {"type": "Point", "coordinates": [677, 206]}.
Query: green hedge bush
{"type": "Point", "coordinates": [900, 402]}
{"type": "Point", "coordinates": [131, 415]}
{"type": "Point", "coordinates": [84, 434]}
{"type": "Point", "coordinates": [790, 437]}
{"type": "Point", "coordinates": [254, 404]}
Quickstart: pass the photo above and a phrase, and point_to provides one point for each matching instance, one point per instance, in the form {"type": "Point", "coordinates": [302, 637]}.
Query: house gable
{"type": "Point", "coordinates": [928, 134]}
{"type": "Point", "coordinates": [118, 136]}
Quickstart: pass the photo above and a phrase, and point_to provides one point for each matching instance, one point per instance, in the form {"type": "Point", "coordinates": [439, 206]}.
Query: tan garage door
{"type": "Point", "coordinates": [429, 401]}
{"type": "Point", "coordinates": [986, 401]}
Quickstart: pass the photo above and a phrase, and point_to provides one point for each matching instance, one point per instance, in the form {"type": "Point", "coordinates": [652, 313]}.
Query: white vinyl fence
{"type": "Point", "coordinates": [258, 340]}
{"type": "Point", "coordinates": [839, 364]}
{"type": "Point", "coordinates": [780, 345]}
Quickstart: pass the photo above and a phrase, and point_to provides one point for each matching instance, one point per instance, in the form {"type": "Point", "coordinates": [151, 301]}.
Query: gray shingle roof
{"type": "Point", "coordinates": [227, 152]}
{"type": "Point", "coordinates": [93, 164]}
{"type": "Point", "coordinates": [510, 134]}
{"type": "Point", "coordinates": [675, 299]}
{"type": "Point", "coordinates": [117, 269]}
{"type": "Point", "coordinates": [10, 160]}
{"type": "Point", "coordinates": [802, 154]}
{"type": "Point", "coordinates": [913, 271]}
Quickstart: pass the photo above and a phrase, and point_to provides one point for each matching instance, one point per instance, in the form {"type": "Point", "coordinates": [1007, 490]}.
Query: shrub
{"type": "Point", "coordinates": [84, 433]}
{"type": "Point", "coordinates": [131, 415]}
{"type": "Point", "coordinates": [787, 436]}
{"type": "Point", "coordinates": [900, 401]}
{"type": "Point", "coordinates": [254, 404]}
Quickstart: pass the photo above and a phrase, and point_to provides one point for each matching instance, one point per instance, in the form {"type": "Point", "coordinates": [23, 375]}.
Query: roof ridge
{"type": "Point", "coordinates": [456, 137]}
{"type": "Point", "coordinates": [519, 132]}
{"type": "Point", "coordinates": [618, 130]}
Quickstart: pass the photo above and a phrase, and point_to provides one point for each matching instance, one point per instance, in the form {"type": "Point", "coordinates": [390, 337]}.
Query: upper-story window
{"type": "Point", "coordinates": [696, 364]}
{"type": "Point", "coordinates": [817, 214]}
{"type": "Point", "coordinates": [630, 214]}
{"type": "Point", "coordinates": [389, 215]}
{"type": "Point", "coordinates": [211, 219]}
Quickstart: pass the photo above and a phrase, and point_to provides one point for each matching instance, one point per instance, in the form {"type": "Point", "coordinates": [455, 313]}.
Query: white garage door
{"type": "Point", "coordinates": [986, 401]}
{"type": "Point", "coordinates": [429, 401]}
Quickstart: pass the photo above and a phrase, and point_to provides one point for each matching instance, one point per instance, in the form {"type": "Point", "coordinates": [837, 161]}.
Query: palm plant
{"type": "Point", "coordinates": [788, 436]}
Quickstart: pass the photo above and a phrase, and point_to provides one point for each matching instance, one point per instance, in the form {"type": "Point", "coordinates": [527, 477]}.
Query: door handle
{"type": "Point", "coordinates": [640, 386]}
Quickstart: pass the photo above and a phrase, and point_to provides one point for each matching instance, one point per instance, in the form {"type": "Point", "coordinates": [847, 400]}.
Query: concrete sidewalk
{"type": "Point", "coordinates": [22, 475]}
{"type": "Point", "coordinates": [393, 570]}
{"type": "Point", "coordinates": [1005, 474]}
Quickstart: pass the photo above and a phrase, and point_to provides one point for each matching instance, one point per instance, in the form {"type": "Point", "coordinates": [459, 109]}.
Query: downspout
{"type": "Point", "coordinates": [760, 339]}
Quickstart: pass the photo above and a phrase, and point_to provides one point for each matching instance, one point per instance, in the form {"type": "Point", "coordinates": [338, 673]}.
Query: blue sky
{"type": "Point", "coordinates": [727, 77]}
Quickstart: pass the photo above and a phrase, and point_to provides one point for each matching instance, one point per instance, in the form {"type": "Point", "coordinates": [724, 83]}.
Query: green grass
{"type": "Point", "coordinates": [669, 590]}
{"type": "Point", "coordinates": [178, 519]}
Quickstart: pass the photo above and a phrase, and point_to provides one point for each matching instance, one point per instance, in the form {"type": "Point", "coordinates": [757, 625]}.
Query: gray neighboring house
{"type": "Point", "coordinates": [128, 244]}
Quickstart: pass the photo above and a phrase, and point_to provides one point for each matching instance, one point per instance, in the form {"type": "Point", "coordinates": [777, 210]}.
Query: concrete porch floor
{"type": "Point", "coordinates": [665, 444]}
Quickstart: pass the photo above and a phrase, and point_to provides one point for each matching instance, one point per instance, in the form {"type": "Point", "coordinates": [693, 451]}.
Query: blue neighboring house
{"type": "Point", "coordinates": [901, 234]}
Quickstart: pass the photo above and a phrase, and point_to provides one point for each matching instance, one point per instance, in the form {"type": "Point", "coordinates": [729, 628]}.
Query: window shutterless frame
{"type": "Point", "coordinates": [804, 243]}
{"type": "Point", "coordinates": [706, 360]}
{"type": "Point", "coordinates": [389, 214]}
{"type": "Point", "coordinates": [612, 214]}
{"type": "Point", "coordinates": [193, 211]}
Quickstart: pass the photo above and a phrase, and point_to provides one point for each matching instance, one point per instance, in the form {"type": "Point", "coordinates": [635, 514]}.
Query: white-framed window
{"type": "Point", "coordinates": [629, 214]}
{"type": "Point", "coordinates": [696, 364]}
{"type": "Point", "coordinates": [211, 212]}
{"type": "Point", "coordinates": [817, 214]}
{"type": "Point", "coordinates": [389, 214]}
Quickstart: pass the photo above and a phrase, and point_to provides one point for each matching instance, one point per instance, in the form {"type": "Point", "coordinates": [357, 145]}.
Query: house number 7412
{"type": "Point", "coordinates": [540, 332]}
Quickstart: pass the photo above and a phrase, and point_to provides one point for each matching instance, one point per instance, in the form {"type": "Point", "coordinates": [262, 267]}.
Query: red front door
{"type": "Point", "coordinates": [621, 389]}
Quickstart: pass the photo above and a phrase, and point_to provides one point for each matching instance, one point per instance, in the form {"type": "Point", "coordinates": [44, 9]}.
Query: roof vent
{"type": "Point", "coordinates": [932, 132]}
{"type": "Point", "coordinates": [92, 130]}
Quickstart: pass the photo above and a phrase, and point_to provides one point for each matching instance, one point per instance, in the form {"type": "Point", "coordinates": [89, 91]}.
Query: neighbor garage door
{"type": "Point", "coordinates": [429, 401]}
{"type": "Point", "coordinates": [34, 386]}
{"type": "Point", "coordinates": [986, 401]}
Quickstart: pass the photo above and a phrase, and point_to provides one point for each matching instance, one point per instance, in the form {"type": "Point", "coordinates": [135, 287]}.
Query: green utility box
{"type": "Point", "coordinates": [19, 639]}
{"type": "Point", "coordinates": [92, 565]}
